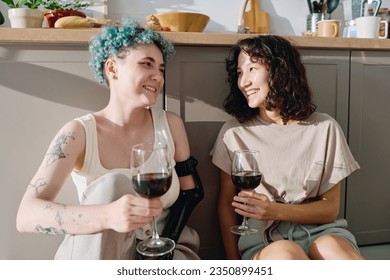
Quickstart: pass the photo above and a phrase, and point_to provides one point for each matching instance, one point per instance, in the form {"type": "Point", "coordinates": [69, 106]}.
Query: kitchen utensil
{"type": "Point", "coordinates": [332, 5]}
{"type": "Point", "coordinates": [320, 3]}
{"type": "Point", "coordinates": [256, 19]}
{"type": "Point", "coordinates": [316, 7]}
{"type": "Point", "coordinates": [310, 5]}
{"type": "Point", "coordinates": [366, 3]}
{"type": "Point", "coordinates": [313, 19]}
{"type": "Point", "coordinates": [324, 6]}
{"type": "Point", "coordinates": [356, 8]}
{"type": "Point", "coordinates": [347, 8]}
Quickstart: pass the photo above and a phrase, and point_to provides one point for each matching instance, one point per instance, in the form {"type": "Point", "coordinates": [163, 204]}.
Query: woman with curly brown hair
{"type": "Point", "coordinates": [303, 157]}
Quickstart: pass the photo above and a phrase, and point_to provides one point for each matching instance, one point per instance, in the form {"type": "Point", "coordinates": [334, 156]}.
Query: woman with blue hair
{"type": "Point", "coordinates": [95, 150]}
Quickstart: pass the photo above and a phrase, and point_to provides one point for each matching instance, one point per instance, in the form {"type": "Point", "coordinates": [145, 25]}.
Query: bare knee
{"type": "Point", "coordinates": [333, 247]}
{"type": "Point", "coordinates": [282, 250]}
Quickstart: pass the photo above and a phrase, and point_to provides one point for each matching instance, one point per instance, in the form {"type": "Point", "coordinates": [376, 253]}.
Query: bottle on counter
{"type": "Point", "coordinates": [349, 29]}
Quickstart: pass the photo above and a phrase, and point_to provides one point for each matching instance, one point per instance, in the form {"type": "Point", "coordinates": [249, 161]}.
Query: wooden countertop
{"type": "Point", "coordinates": [42, 36]}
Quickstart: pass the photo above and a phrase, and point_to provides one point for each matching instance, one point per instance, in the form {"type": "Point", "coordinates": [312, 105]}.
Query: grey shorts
{"type": "Point", "coordinates": [303, 235]}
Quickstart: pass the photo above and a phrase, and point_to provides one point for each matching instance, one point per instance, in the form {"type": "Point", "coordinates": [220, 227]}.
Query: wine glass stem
{"type": "Point", "coordinates": [244, 222]}
{"type": "Point", "coordinates": [155, 235]}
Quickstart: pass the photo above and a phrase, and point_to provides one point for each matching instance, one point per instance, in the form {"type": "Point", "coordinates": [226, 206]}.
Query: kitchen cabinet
{"type": "Point", "coordinates": [196, 88]}
{"type": "Point", "coordinates": [368, 199]}
{"type": "Point", "coordinates": [328, 74]}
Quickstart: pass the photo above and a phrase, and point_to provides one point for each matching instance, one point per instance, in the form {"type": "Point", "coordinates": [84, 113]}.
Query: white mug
{"type": "Point", "coordinates": [368, 27]}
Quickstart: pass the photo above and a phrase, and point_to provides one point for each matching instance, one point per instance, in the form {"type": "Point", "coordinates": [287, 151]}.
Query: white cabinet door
{"type": "Point", "coordinates": [368, 193]}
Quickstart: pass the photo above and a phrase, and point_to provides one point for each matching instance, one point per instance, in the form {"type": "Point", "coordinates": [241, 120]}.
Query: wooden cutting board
{"type": "Point", "coordinates": [256, 19]}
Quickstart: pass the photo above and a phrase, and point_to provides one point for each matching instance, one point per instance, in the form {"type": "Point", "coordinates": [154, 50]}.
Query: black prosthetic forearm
{"type": "Point", "coordinates": [181, 210]}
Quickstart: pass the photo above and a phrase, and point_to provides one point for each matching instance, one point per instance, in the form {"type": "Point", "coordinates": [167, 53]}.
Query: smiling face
{"type": "Point", "coordinates": [139, 75]}
{"type": "Point", "coordinates": [252, 80]}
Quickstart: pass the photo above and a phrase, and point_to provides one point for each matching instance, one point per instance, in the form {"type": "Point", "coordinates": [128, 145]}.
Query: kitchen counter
{"type": "Point", "coordinates": [82, 36]}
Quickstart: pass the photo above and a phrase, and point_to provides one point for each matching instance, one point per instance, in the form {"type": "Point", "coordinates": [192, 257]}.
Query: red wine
{"type": "Point", "coordinates": [152, 184]}
{"type": "Point", "coordinates": [247, 180]}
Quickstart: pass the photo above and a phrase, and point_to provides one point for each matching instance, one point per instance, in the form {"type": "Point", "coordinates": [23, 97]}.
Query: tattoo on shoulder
{"type": "Point", "coordinates": [49, 230]}
{"type": "Point", "coordinates": [55, 152]}
{"type": "Point", "coordinates": [39, 183]}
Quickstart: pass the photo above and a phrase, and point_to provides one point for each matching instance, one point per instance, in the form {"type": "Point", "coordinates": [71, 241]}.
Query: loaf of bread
{"type": "Point", "coordinates": [80, 22]}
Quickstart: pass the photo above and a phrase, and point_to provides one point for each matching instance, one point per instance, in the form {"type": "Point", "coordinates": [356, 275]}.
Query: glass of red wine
{"type": "Point", "coordinates": [152, 176]}
{"type": "Point", "coordinates": [246, 175]}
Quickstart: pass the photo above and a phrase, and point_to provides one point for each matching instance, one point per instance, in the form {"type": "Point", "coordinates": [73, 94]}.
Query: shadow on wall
{"type": "Point", "coordinates": [54, 85]}
{"type": "Point", "coordinates": [278, 24]}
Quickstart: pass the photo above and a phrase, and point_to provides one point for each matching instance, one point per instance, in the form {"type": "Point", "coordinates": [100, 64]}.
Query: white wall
{"type": "Point", "coordinates": [287, 17]}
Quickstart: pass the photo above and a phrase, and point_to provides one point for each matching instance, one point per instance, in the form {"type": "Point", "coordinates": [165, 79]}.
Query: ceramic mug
{"type": "Point", "coordinates": [328, 28]}
{"type": "Point", "coordinates": [368, 27]}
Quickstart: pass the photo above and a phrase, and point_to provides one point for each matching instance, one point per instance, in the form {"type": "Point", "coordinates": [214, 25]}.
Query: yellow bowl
{"type": "Point", "coordinates": [182, 21]}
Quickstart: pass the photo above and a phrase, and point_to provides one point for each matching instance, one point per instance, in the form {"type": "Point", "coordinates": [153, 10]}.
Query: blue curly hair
{"type": "Point", "coordinates": [114, 39]}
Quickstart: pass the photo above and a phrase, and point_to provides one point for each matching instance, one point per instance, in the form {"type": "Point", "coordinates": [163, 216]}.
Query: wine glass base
{"type": "Point", "coordinates": [243, 230]}
{"type": "Point", "coordinates": [155, 248]}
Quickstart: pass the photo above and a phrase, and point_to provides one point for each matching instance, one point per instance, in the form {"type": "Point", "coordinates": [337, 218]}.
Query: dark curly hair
{"type": "Point", "coordinates": [289, 88]}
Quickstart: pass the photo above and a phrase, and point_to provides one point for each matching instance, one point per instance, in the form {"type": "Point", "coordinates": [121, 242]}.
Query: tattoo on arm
{"type": "Point", "coordinates": [58, 218]}
{"type": "Point", "coordinates": [39, 183]}
{"type": "Point", "coordinates": [49, 230]}
{"type": "Point", "coordinates": [55, 152]}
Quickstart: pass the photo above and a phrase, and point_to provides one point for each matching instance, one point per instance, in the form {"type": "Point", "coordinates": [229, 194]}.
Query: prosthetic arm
{"type": "Point", "coordinates": [181, 210]}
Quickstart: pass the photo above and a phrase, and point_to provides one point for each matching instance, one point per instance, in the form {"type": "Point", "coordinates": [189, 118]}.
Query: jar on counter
{"type": "Point", "coordinates": [349, 29]}
{"type": "Point", "coordinates": [313, 19]}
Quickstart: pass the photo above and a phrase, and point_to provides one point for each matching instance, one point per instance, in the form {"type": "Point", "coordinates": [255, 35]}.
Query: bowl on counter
{"type": "Point", "coordinates": [182, 21]}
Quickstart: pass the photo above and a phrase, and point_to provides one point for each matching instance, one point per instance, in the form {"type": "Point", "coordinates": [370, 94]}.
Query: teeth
{"type": "Point", "coordinates": [249, 93]}
{"type": "Point", "coordinates": [150, 88]}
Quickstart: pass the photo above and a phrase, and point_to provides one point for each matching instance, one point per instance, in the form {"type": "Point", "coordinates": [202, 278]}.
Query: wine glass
{"type": "Point", "coordinates": [245, 176]}
{"type": "Point", "coordinates": [152, 176]}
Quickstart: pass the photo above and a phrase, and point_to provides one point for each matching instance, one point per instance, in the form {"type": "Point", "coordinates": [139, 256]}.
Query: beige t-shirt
{"type": "Point", "coordinates": [298, 161]}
